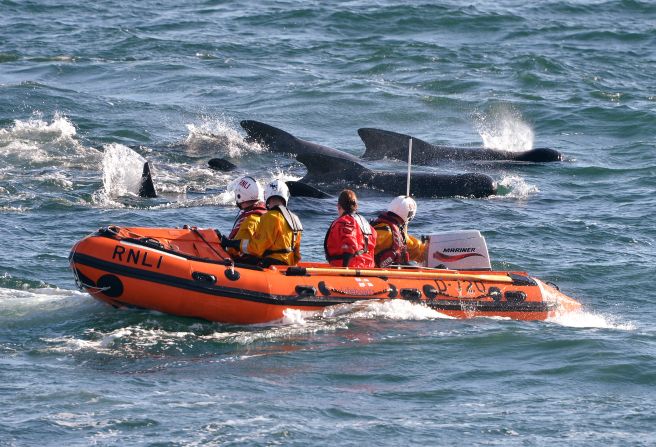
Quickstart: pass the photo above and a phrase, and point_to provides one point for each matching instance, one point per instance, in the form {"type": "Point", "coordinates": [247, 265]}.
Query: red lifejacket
{"type": "Point", "coordinates": [258, 209]}
{"type": "Point", "coordinates": [350, 242]}
{"type": "Point", "coordinates": [398, 252]}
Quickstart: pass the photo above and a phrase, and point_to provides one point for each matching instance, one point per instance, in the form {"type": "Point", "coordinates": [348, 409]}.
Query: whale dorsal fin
{"type": "Point", "coordinates": [277, 140]}
{"type": "Point", "coordinates": [147, 187]}
{"type": "Point", "coordinates": [322, 167]}
{"type": "Point", "coordinates": [384, 143]}
{"type": "Point", "coordinates": [300, 189]}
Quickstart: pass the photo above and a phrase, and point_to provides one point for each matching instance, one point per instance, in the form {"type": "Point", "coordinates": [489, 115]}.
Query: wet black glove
{"type": "Point", "coordinates": [230, 243]}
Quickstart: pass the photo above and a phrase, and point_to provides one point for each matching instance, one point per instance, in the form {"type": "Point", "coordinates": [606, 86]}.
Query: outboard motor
{"type": "Point", "coordinates": [458, 250]}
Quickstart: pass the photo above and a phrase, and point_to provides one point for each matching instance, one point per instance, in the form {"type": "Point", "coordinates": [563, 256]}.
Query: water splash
{"type": "Point", "coordinates": [121, 170]}
{"type": "Point", "coordinates": [398, 310]}
{"type": "Point", "coordinates": [368, 310]}
{"type": "Point", "coordinates": [504, 128]}
{"type": "Point", "coordinates": [280, 174]}
{"type": "Point", "coordinates": [37, 130]}
{"type": "Point", "coordinates": [36, 142]}
{"type": "Point", "coordinates": [514, 186]}
{"type": "Point", "coordinates": [218, 138]}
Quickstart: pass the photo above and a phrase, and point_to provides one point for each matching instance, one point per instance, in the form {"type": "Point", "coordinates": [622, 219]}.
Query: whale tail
{"type": "Point", "coordinates": [147, 187]}
{"type": "Point", "coordinates": [327, 168]}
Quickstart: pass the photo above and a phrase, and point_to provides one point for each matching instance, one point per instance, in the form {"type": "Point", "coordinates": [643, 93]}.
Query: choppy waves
{"type": "Point", "coordinates": [90, 89]}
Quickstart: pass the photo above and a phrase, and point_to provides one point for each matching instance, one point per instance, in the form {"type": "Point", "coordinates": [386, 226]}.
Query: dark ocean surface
{"type": "Point", "coordinates": [82, 82]}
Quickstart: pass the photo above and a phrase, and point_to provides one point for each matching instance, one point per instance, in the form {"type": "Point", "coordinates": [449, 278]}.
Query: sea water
{"type": "Point", "coordinates": [88, 89]}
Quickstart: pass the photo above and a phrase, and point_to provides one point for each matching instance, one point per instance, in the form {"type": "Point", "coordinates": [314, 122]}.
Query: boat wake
{"type": "Point", "coordinates": [149, 334]}
{"type": "Point", "coordinates": [584, 319]}
{"type": "Point", "coordinates": [370, 310]}
{"type": "Point", "coordinates": [27, 305]}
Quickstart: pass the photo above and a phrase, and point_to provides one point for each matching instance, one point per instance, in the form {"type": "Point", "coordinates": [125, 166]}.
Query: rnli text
{"type": "Point", "coordinates": [135, 257]}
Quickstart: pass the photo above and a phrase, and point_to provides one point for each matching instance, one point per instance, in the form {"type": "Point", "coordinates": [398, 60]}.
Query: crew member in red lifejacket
{"type": "Point", "coordinates": [395, 246]}
{"type": "Point", "coordinates": [248, 198]}
{"type": "Point", "coordinates": [349, 241]}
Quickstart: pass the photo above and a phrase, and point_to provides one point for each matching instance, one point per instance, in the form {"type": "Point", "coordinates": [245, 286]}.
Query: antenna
{"type": "Point", "coordinates": [409, 165]}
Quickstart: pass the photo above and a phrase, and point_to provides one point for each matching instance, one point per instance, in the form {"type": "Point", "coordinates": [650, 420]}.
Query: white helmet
{"type": "Point", "coordinates": [277, 188]}
{"type": "Point", "coordinates": [403, 206]}
{"type": "Point", "coordinates": [247, 189]}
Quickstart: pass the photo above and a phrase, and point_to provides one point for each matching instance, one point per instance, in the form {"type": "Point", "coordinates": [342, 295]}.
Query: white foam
{"type": "Point", "coordinates": [13, 209]}
{"type": "Point", "coordinates": [129, 339]}
{"type": "Point", "coordinates": [27, 302]}
{"type": "Point", "coordinates": [514, 186]}
{"type": "Point", "coordinates": [37, 141]}
{"type": "Point", "coordinates": [36, 129]}
{"type": "Point", "coordinates": [398, 310]}
{"type": "Point", "coordinates": [295, 316]}
{"type": "Point", "coordinates": [293, 324]}
{"type": "Point", "coordinates": [218, 138]}
{"type": "Point", "coordinates": [35, 295]}
{"type": "Point", "coordinates": [279, 174]}
{"type": "Point", "coordinates": [584, 319]}
{"type": "Point", "coordinates": [366, 310]}
{"type": "Point", "coordinates": [504, 129]}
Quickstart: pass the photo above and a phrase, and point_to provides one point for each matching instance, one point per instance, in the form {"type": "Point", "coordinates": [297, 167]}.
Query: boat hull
{"type": "Point", "coordinates": [185, 272]}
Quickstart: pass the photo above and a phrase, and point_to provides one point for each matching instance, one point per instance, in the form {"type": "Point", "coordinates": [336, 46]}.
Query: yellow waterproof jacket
{"type": "Point", "coordinates": [246, 230]}
{"type": "Point", "coordinates": [275, 239]}
{"type": "Point", "coordinates": [385, 239]}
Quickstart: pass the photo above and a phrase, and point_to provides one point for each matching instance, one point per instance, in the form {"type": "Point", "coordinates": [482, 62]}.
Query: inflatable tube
{"type": "Point", "coordinates": [185, 272]}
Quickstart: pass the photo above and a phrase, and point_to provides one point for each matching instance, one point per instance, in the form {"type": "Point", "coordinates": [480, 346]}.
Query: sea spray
{"type": "Point", "coordinates": [217, 138]}
{"type": "Point", "coordinates": [503, 128]}
{"type": "Point", "coordinates": [122, 169]}
{"type": "Point", "coordinates": [515, 187]}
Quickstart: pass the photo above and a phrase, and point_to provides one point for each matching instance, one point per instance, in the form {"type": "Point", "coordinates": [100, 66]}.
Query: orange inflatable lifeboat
{"type": "Point", "coordinates": [185, 272]}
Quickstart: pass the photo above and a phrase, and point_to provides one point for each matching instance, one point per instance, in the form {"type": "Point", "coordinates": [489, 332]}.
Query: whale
{"type": "Point", "coordinates": [329, 171]}
{"type": "Point", "coordinates": [221, 164]}
{"type": "Point", "coordinates": [381, 144]}
{"type": "Point", "coordinates": [329, 168]}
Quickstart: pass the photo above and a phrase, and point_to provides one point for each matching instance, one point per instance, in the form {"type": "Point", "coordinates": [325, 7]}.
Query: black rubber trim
{"type": "Point", "coordinates": [487, 306]}
{"type": "Point", "coordinates": [209, 289]}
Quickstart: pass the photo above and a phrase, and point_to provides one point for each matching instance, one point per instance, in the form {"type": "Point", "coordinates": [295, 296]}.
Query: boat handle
{"type": "Point", "coordinates": [205, 277]}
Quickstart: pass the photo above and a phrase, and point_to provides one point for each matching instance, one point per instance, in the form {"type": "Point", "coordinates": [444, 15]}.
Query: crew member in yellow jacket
{"type": "Point", "coordinates": [277, 239]}
{"type": "Point", "coordinates": [394, 246]}
{"type": "Point", "coordinates": [248, 198]}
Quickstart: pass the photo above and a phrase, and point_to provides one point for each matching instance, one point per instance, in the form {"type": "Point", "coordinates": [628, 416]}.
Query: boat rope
{"type": "Point", "coordinates": [79, 283]}
{"type": "Point", "coordinates": [359, 292]}
{"type": "Point", "coordinates": [195, 230]}
{"type": "Point", "coordinates": [393, 273]}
